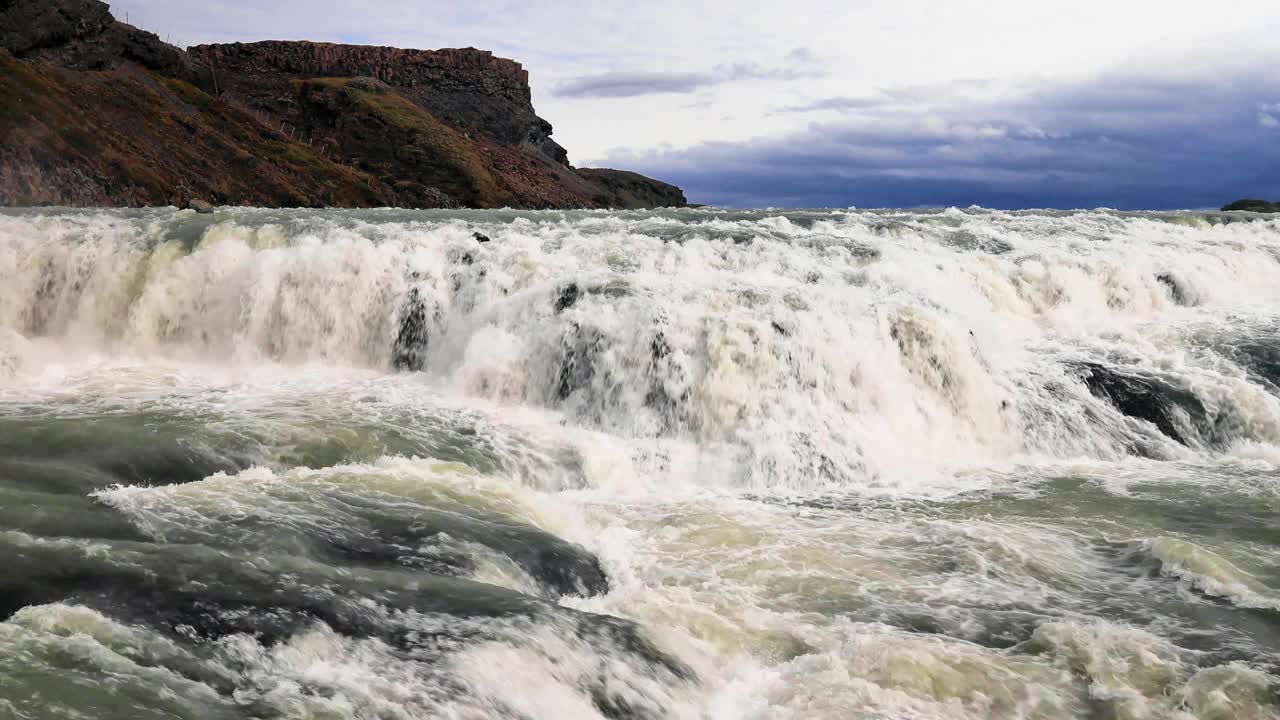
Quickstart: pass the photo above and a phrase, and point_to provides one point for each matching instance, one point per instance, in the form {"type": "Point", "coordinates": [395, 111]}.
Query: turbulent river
{"type": "Point", "coordinates": [639, 465]}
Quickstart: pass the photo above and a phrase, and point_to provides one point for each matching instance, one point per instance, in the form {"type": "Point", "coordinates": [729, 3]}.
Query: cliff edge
{"type": "Point", "coordinates": [96, 112]}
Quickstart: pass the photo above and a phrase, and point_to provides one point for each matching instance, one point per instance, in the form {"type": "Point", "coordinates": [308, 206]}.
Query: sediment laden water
{"type": "Point", "coordinates": [676, 464]}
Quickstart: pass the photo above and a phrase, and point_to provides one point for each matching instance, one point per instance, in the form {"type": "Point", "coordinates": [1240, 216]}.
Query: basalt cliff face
{"type": "Point", "coordinates": [97, 112]}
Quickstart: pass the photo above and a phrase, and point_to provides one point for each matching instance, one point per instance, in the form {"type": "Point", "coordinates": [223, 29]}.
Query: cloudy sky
{"type": "Point", "coordinates": [1001, 103]}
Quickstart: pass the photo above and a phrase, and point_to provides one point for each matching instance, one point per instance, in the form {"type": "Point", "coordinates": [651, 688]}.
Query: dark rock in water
{"type": "Point", "coordinates": [80, 455]}
{"type": "Point", "coordinates": [480, 237]}
{"type": "Point", "coordinates": [1176, 412]}
{"type": "Point", "coordinates": [196, 594]}
{"type": "Point", "coordinates": [922, 347]}
{"type": "Point", "coordinates": [410, 349]}
{"type": "Point", "coordinates": [166, 465]}
{"type": "Point", "coordinates": [578, 348]}
{"type": "Point", "coordinates": [562, 567]}
{"type": "Point", "coordinates": [567, 297]}
{"type": "Point", "coordinates": [214, 594]}
{"type": "Point", "coordinates": [441, 536]}
{"type": "Point", "coordinates": [1177, 290]}
{"type": "Point", "coordinates": [966, 240]}
{"type": "Point", "coordinates": [660, 347]}
{"type": "Point", "coordinates": [369, 548]}
{"type": "Point", "coordinates": [671, 409]}
{"type": "Point", "coordinates": [200, 206]}
{"type": "Point", "coordinates": [32, 502]}
{"type": "Point", "coordinates": [88, 470]}
{"type": "Point", "coordinates": [862, 251]}
{"type": "Point", "coordinates": [1261, 357]}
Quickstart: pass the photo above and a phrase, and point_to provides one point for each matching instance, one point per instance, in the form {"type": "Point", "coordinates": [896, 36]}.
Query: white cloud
{"type": "Point", "coordinates": [1128, 140]}
{"type": "Point", "coordinates": [1269, 115]}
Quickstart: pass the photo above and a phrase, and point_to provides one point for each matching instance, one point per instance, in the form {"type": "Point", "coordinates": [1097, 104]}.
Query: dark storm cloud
{"type": "Point", "coordinates": [799, 63]}
{"type": "Point", "coordinates": [1121, 141]}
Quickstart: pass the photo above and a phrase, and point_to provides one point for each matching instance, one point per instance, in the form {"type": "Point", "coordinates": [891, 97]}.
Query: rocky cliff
{"type": "Point", "coordinates": [467, 88]}
{"type": "Point", "coordinates": [97, 112]}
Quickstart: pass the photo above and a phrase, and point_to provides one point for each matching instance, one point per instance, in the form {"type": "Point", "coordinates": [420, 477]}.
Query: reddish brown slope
{"type": "Point", "coordinates": [127, 136]}
{"type": "Point", "coordinates": [95, 112]}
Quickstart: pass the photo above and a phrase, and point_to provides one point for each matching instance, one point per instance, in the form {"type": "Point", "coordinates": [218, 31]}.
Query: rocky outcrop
{"type": "Point", "coordinates": [27, 26]}
{"type": "Point", "coordinates": [1252, 205]}
{"type": "Point", "coordinates": [625, 189]}
{"type": "Point", "coordinates": [273, 123]}
{"type": "Point", "coordinates": [467, 88]}
{"type": "Point", "coordinates": [82, 34]}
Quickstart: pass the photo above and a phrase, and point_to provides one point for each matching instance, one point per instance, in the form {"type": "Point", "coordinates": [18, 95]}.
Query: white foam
{"type": "Point", "coordinates": [805, 361]}
{"type": "Point", "coordinates": [827, 367]}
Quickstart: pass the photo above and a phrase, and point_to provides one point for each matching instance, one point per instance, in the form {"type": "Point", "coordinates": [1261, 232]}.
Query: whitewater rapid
{"type": "Point", "coordinates": [688, 464]}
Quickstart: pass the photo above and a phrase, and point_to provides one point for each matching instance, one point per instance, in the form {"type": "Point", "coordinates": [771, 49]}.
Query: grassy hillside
{"type": "Point", "coordinates": [393, 139]}
{"type": "Point", "coordinates": [126, 136]}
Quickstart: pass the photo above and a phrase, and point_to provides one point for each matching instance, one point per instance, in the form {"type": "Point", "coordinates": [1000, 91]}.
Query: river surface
{"type": "Point", "coordinates": [639, 465]}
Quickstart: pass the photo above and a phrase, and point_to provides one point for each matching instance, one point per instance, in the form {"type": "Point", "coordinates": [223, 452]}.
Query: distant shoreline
{"type": "Point", "coordinates": [222, 212]}
{"type": "Point", "coordinates": [1252, 205]}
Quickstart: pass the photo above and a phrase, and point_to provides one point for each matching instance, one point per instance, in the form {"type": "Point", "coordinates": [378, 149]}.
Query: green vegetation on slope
{"type": "Point", "coordinates": [1252, 205]}
{"type": "Point", "coordinates": [397, 141]}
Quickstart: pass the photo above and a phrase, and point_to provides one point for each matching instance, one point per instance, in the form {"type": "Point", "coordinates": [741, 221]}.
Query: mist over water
{"type": "Point", "coordinates": [670, 464]}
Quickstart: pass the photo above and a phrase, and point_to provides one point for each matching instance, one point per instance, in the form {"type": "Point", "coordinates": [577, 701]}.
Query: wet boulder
{"type": "Point", "coordinates": [1179, 291]}
{"type": "Point", "coordinates": [435, 543]}
{"type": "Point", "coordinates": [579, 348]}
{"type": "Point", "coordinates": [78, 455]}
{"type": "Point", "coordinates": [1260, 357]}
{"type": "Point", "coordinates": [1175, 411]}
{"type": "Point", "coordinates": [410, 349]}
{"type": "Point", "coordinates": [196, 595]}
{"type": "Point", "coordinates": [567, 297]}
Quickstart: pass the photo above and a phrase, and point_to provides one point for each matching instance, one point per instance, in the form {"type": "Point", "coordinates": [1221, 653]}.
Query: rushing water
{"type": "Point", "coordinates": [695, 464]}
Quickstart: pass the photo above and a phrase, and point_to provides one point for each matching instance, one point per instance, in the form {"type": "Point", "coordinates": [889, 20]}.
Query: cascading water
{"type": "Point", "coordinates": [685, 464]}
